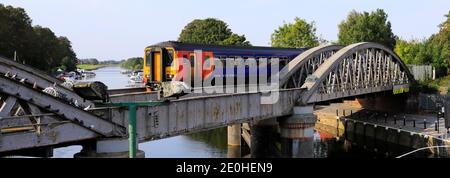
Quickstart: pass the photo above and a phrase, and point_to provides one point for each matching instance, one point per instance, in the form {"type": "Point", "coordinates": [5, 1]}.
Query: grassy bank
{"type": "Point", "coordinates": [90, 66]}
{"type": "Point", "coordinates": [441, 84]}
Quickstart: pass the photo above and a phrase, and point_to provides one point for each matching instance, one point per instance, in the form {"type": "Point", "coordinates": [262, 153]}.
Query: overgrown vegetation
{"type": "Point", "coordinates": [36, 46]}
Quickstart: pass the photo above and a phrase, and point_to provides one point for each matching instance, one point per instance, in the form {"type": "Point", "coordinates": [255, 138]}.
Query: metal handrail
{"type": "Point", "coordinates": [423, 148]}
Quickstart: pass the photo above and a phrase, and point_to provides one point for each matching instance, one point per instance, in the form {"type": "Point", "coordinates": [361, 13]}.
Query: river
{"type": "Point", "coordinates": [213, 143]}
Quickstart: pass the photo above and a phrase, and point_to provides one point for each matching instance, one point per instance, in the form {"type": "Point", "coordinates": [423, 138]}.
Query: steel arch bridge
{"type": "Point", "coordinates": [331, 72]}
{"type": "Point", "coordinates": [30, 118]}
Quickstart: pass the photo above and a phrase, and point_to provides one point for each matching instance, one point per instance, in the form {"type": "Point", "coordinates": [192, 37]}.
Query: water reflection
{"type": "Point", "coordinates": [216, 138]}
{"type": "Point", "coordinates": [112, 78]}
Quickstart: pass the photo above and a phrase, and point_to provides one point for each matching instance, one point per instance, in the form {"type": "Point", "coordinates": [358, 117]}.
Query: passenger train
{"type": "Point", "coordinates": [163, 61]}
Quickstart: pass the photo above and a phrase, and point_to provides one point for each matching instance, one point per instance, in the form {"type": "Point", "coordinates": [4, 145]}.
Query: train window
{"type": "Point", "coordinates": [148, 58]}
{"type": "Point", "coordinates": [170, 57]}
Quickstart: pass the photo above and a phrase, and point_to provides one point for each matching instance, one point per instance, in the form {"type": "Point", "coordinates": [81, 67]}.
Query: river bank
{"type": "Point", "coordinates": [90, 67]}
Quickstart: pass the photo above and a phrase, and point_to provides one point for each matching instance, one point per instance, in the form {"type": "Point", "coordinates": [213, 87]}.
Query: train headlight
{"type": "Point", "coordinates": [169, 76]}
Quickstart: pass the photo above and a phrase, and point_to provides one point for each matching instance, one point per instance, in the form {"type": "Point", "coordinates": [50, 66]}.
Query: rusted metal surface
{"type": "Point", "coordinates": [195, 114]}
{"type": "Point", "coordinates": [62, 109]}
{"type": "Point", "coordinates": [134, 97]}
{"type": "Point", "coordinates": [57, 134]}
{"type": "Point", "coordinates": [126, 90]}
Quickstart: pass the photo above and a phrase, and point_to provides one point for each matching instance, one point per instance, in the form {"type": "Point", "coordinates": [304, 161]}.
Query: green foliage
{"type": "Point", "coordinates": [434, 50]}
{"type": "Point", "coordinates": [295, 35]}
{"type": "Point", "coordinates": [15, 32]}
{"type": "Point", "coordinates": [366, 27]}
{"type": "Point", "coordinates": [134, 63]}
{"type": "Point", "coordinates": [211, 31]}
{"type": "Point", "coordinates": [92, 61]}
{"type": "Point", "coordinates": [36, 46]}
{"type": "Point", "coordinates": [68, 64]}
{"type": "Point", "coordinates": [90, 66]}
{"type": "Point", "coordinates": [235, 39]}
{"type": "Point", "coordinates": [413, 52]}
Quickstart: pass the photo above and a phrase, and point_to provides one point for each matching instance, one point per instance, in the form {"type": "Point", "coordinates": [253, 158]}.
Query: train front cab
{"type": "Point", "coordinates": [158, 66]}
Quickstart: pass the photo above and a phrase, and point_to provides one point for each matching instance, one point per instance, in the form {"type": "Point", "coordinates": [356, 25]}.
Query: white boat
{"type": "Point", "coordinates": [125, 71]}
{"type": "Point", "coordinates": [87, 74]}
{"type": "Point", "coordinates": [136, 79]}
{"type": "Point", "coordinates": [72, 76]}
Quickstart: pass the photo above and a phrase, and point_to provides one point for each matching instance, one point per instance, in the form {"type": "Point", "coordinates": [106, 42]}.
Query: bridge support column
{"type": "Point", "coordinates": [108, 148]}
{"type": "Point", "coordinates": [297, 133]}
{"type": "Point", "coordinates": [234, 135]}
{"type": "Point", "coordinates": [263, 138]}
{"type": "Point", "coordinates": [233, 151]}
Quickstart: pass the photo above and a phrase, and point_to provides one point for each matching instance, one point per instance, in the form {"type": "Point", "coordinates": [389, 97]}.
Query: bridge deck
{"type": "Point", "coordinates": [193, 114]}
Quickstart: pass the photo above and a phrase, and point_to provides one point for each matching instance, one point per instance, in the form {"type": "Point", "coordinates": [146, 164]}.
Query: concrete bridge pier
{"type": "Point", "coordinates": [263, 138]}
{"type": "Point", "coordinates": [233, 151]}
{"type": "Point", "coordinates": [234, 135]}
{"type": "Point", "coordinates": [297, 133]}
{"type": "Point", "coordinates": [107, 148]}
{"type": "Point", "coordinates": [234, 141]}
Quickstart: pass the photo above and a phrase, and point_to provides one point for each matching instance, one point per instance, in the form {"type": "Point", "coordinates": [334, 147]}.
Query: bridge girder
{"type": "Point", "coordinates": [357, 69]}
{"type": "Point", "coordinates": [39, 79]}
{"type": "Point", "coordinates": [294, 74]}
{"type": "Point", "coordinates": [27, 111]}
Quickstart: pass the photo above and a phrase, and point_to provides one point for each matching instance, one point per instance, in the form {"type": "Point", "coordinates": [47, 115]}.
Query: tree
{"type": "Point", "coordinates": [133, 63]}
{"type": "Point", "coordinates": [15, 32]}
{"type": "Point", "coordinates": [366, 27]}
{"type": "Point", "coordinates": [444, 30]}
{"type": "Point", "coordinates": [235, 39]}
{"type": "Point", "coordinates": [35, 46]}
{"type": "Point", "coordinates": [93, 61]}
{"type": "Point", "coordinates": [412, 52]}
{"type": "Point", "coordinates": [433, 50]}
{"type": "Point", "coordinates": [66, 53]}
{"type": "Point", "coordinates": [295, 35]}
{"type": "Point", "coordinates": [210, 31]}
{"type": "Point", "coordinates": [68, 64]}
{"type": "Point", "coordinates": [45, 48]}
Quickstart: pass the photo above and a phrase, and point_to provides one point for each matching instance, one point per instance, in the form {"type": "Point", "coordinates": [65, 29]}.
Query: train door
{"type": "Point", "coordinates": [157, 67]}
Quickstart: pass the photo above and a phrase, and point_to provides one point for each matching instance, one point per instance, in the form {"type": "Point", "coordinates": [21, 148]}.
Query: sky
{"type": "Point", "coordinates": [119, 29]}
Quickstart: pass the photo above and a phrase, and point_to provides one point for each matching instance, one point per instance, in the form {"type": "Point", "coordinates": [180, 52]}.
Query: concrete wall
{"type": "Point", "coordinates": [407, 102]}
{"type": "Point", "coordinates": [388, 102]}
{"type": "Point", "coordinates": [380, 137]}
{"type": "Point", "coordinates": [422, 102]}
